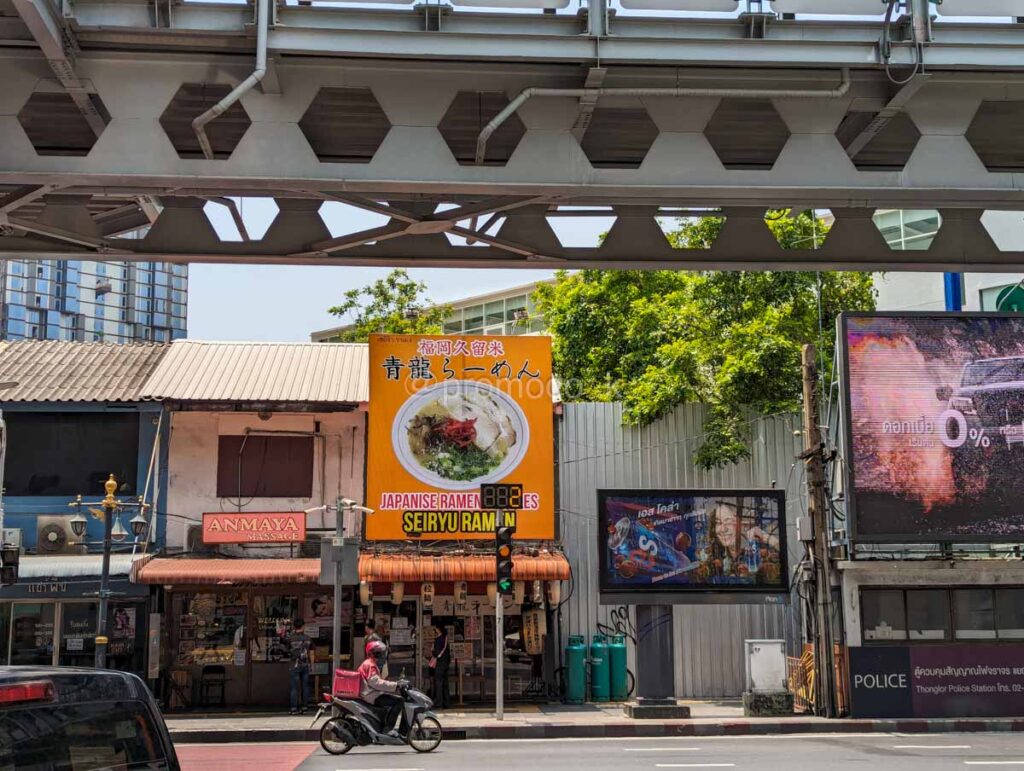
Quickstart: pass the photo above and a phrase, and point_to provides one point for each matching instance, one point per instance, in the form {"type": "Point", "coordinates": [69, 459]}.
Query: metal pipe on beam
{"type": "Point", "coordinates": [199, 124]}
{"type": "Point", "coordinates": [595, 93]}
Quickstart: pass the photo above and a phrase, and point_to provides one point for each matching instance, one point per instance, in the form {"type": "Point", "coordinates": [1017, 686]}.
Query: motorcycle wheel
{"type": "Point", "coordinates": [425, 736]}
{"type": "Point", "coordinates": [329, 739]}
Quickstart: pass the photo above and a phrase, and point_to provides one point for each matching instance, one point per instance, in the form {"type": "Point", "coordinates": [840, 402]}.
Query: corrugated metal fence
{"type": "Point", "coordinates": [597, 451]}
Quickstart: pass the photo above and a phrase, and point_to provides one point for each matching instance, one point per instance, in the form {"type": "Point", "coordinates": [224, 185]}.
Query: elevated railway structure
{"type": "Point", "coordinates": [467, 129]}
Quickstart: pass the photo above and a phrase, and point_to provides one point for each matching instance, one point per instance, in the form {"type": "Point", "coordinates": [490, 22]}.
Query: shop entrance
{"type": "Point", "coordinates": [227, 644]}
{"type": "Point", "coordinates": [409, 630]}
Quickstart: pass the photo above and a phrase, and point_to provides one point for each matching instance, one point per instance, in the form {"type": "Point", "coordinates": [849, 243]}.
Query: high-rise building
{"type": "Point", "coordinates": [91, 301]}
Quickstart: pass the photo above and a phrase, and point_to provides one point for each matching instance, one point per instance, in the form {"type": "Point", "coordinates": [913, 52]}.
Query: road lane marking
{"type": "Point", "coordinates": [661, 749]}
{"type": "Point", "coordinates": [931, 746]}
{"type": "Point", "coordinates": [695, 765]}
{"type": "Point", "coordinates": [994, 762]}
{"type": "Point", "coordinates": [380, 769]}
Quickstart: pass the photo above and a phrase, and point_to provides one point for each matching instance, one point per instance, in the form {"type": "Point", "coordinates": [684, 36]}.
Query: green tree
{"type": "Point", "coordinates": [730, 340]}
{"type": "Point", "coordinates": [394, 304]}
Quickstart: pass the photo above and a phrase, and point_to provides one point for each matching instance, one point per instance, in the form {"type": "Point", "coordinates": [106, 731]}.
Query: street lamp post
{"type": "Point", "coordinates": [113, 530]}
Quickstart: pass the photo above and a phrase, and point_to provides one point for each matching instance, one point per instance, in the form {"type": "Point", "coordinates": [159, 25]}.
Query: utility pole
{"type": "Point", "coordinates": [339, 541]}
{"type": "Point", "coordinates": [824, 651]}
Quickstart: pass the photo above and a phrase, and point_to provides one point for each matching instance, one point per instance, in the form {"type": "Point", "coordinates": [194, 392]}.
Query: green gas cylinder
{"type": "Point", "coordinates": [617, 663]}
{"type": "Point", "coordinates": [600, 672]}
{"type": "Point", "coordinates": [575, 670]}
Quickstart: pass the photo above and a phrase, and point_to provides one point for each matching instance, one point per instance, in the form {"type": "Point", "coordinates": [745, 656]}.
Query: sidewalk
{"type": "Point", "coordinates": [560, 721]}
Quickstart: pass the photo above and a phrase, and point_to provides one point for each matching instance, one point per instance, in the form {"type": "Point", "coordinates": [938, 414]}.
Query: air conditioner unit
{"type": "Point", "coordinates": [11, 536]}
{"type": "Point", "coordinates": [55, 536]}
{"type": "Point", "coordinates": [194, 541]}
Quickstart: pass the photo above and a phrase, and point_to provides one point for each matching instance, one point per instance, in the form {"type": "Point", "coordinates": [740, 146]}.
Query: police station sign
{"type": "Point", "coordinates": [937, 681]}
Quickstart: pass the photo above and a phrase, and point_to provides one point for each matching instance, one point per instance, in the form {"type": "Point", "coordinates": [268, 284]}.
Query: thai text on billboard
{"type": "Point", "coordinates": [935, 428]}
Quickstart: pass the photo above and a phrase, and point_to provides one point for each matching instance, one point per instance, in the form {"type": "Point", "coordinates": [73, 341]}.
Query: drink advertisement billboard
{"type": "Point", "coordinates": [934, 426]}
{"type": "Point", "coordinates": [448, 414]}
{"type": "Point", "coordinates": [671, 542]}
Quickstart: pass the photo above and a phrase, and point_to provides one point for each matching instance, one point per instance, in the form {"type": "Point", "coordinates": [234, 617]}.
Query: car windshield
{"type": "Point", "coordinates": [113, 736]}
{"type": "Point", "coordinates": [990, 372]}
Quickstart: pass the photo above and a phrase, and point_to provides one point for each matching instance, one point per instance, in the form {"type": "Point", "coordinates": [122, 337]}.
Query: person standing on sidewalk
{"type": "Point", "coordinates": [440, 661]}
{"type": "Point", "coordinates": [300, 654]}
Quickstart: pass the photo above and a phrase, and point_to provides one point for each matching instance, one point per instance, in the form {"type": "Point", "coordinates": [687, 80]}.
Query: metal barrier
{"type": "Point", "coordinates": [800, 678]}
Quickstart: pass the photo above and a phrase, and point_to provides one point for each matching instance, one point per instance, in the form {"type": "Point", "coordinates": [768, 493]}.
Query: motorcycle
{"type": "Point", "coordinates": [354, 723]}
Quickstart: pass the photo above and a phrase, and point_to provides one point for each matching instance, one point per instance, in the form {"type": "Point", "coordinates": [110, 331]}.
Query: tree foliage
{"type": "Point", "coordinates": [730, 340]}
{"type": "Point", "coordinates": [395, 304]}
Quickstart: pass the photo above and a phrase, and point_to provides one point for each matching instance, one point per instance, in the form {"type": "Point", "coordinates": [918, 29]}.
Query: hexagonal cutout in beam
{"type": "Point", "coordinates": [689, 229]}
{"type": "Point", "coordinates": [581, 227]}
{"type": "Point", "coordinates": [1006, 228]}
{"type": "Point", "coordinates": [55, 125]}
{"type": "Point", "coordinates": [191, 101]}
{"type": "Point", "coordinates": [995, 134]}
{"type": "Point", "coordinates": [890, 145]}
{"type": "Point", "coordinates": [806, 229]}
{"type": "Point", "coordinates": [466, 117]}
{"type": "Point", "coordinates": [237, 218]}
{"type": "Point", "coordinates": [618, 137]}
{"type": "Point", "coordinates": [488, 225]}
{"type": "Point", "coordinates": [908, 229]}
{"type": "Point", "coordinates": [747, 133]}
{"type": "Point", "coordinates": [345, 125]}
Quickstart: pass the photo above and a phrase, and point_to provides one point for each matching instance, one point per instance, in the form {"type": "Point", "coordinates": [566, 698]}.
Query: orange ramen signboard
{"type": "Point", "coordinates": [448, 414]}
{"type": "Point", "coordinates": [254, 527]}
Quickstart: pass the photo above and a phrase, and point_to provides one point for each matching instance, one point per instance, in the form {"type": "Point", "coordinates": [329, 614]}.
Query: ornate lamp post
{"type": "Point", "coordinates": [113, 530]}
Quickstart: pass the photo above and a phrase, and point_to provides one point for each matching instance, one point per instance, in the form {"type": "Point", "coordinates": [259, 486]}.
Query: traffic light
{"type": "Point", "coordinates": [503, 553]}
{"type": "Point", "coordinates": [10, 556]}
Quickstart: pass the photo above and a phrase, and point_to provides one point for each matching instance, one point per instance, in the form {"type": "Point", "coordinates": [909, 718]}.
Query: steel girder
{"type": "Point", "coordinates": [414, 74]}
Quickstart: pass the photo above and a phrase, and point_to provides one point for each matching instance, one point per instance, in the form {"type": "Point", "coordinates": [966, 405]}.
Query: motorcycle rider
{"type": "Point", "coordinates": [385, 695]}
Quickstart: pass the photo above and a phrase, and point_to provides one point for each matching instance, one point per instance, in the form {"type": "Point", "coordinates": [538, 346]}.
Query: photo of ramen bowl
{"type": "Point", "coordinates": [460, 433]}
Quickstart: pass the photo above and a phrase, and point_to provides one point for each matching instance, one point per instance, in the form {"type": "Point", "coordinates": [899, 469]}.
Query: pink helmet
{"type": "Point", "coordinates": [376, 649]}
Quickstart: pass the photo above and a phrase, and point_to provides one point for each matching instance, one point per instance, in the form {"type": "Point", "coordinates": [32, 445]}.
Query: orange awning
{"type": "Point", "coordinates": [372, 567]}
{"type": "Point", "coordinates": [229, 571]}
{"type": "Point", "coordinates": [464, 567]}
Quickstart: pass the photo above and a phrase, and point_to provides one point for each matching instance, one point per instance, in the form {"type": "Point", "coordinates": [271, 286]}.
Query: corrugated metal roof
{"type": "Point", "coordinates": [63, 371]}
{"type": "Point", "coordinates": [229, 571]}
{"type": "Point", "coordinates": [262, 372]}
{"type": "Point", "coordinates": [72, 565]}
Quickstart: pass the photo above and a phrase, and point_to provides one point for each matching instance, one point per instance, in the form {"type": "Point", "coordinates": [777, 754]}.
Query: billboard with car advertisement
{"type": "Point", "coordinates": [448, 414]}
{"type": "Point", "coordinates": [691, 541]}
{"type": "Point", "coordinates": [934, 426]}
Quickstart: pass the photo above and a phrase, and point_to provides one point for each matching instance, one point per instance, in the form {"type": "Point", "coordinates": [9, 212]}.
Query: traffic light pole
{"type": "Point", "coordinates": [499, 641]}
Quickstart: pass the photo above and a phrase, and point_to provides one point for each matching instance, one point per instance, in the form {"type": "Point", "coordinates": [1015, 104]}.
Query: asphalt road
{"type": "Point", "coordinates": [964, 752]}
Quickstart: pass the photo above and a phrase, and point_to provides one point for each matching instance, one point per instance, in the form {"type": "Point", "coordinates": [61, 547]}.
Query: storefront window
{"type": "Point", "coordinates": [5, 626]}
{"type": "Point", "coordinates": [78, 634]}
{"type": "Point", "coordinates": [274, 616]}
{"type": "Point", "coordinates": [928, 614]}
{"type": "Point", "coordinates": [32, 633]}
{"type": "Point", "coordinates": [974, 613]}
{"type": "Point", "coordinates": [884, 614]}
{"type": "Point", "coordinates": [126, 630]}
{"type": "Point", "coordinates": [1010, 614]}
{"type": "Point", "coordinates": [318, 613]}
{"type": "Point", "coordinates": [211, 628]}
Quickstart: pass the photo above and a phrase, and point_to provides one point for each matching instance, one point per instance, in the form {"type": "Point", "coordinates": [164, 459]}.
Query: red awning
{"type": "Point", "coordinates": [229, 571]}
{"type": "Point", "coordinates": [476, 567]}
